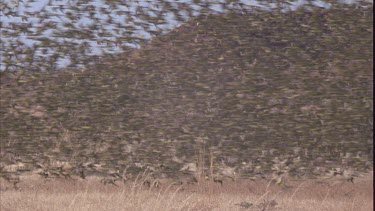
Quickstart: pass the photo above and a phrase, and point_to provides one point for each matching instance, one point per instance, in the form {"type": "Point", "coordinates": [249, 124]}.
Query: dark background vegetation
{"type": "Point", "coordinates": [251, 84]}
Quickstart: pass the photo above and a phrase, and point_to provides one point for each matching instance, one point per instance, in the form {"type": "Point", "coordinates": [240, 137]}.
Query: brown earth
{"type": "Point", "coordinates": [78, 194]}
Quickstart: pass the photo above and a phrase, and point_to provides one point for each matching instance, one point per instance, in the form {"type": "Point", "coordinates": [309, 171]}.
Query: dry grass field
{"type": "Point", "coordinates": [77, 194]}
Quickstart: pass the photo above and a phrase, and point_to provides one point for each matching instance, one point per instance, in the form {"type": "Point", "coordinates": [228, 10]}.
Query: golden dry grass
{"type": "Point", "coordinates": [36, 194]}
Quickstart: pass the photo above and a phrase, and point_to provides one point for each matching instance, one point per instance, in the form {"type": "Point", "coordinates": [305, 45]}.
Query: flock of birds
{"type": "Point", "coordinates": [148, 175]}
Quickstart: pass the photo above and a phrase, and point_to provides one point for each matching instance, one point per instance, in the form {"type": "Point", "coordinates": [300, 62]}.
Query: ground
{"type": "Point", "coordinates": [34, 193]}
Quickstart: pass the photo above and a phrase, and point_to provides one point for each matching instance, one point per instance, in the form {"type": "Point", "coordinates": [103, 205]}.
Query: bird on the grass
{"type": "Point", "coordinates": [245, 204]}
{"type": "Point", "coordinates": [12, 178]}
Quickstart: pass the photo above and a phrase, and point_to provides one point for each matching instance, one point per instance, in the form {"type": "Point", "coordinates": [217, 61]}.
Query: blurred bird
{"type": "Point", "coordinates": [245, 204]}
